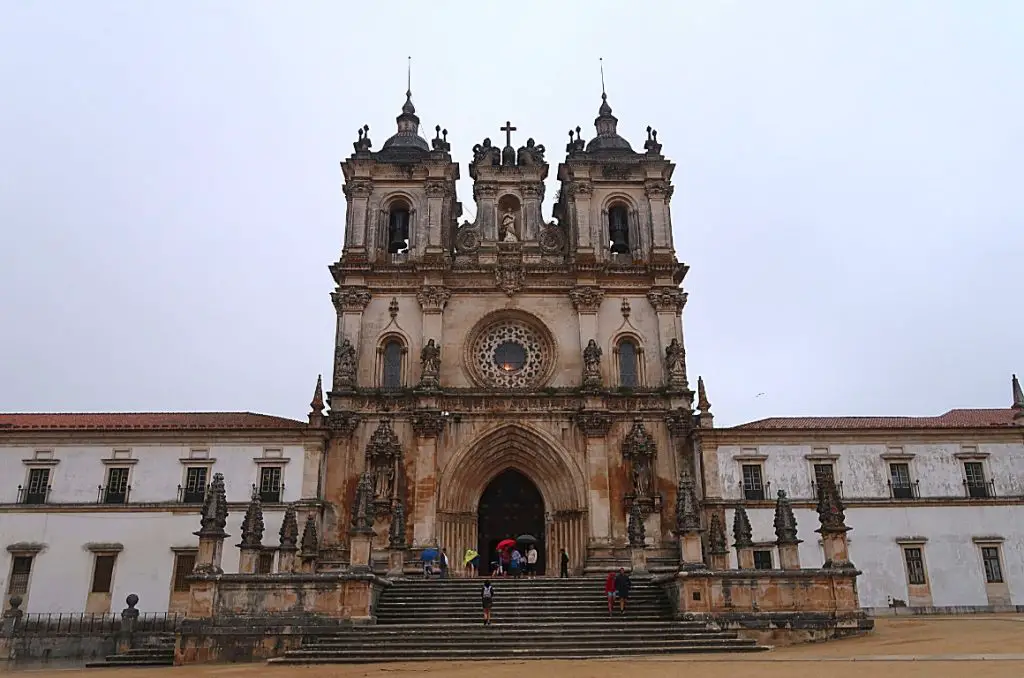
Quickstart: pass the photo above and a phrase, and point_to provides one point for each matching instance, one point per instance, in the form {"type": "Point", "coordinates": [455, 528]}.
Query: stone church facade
{"type": "Point", "coordinates": [507, 376]}
{"type": "Point", "coordinates": [510, 375]}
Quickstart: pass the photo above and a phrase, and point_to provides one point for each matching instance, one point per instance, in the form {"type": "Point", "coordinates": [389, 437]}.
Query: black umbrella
{"type": "Point", "coordinates": [526, 539]}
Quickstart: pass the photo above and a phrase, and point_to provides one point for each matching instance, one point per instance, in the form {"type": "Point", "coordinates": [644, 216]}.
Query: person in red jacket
{"type": "Point", "coordinates": [609, 591]}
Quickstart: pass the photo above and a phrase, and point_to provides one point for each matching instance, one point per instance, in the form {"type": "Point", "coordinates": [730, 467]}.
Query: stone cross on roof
{"type": "Point", "coordinates": [508, 129]}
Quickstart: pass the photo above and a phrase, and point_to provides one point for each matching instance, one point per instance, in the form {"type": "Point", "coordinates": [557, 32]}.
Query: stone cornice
{"type": "Point", "coordinates": [881, 436]}
{"type": "Point", "coordinates": [865, 502]}
{"type": "Point", "coordinates": [234, 507]}
{"type": "Point", "coordinates": [175, 437]}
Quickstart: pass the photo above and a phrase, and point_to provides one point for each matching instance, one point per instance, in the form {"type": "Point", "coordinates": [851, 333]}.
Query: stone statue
{"type": "Point", "coordinates": [344, 365]}
{"type": "Point", "coordinates": [486, 154]}
{"type": "Point", "coordinates": [430, 365]}
{"type": "Point", "coordinates": [592, 365]}
{"type": "Point", "coordinates": [675, 364]}
{"type": "Point", "coordinates": [382, 481]}
{"type": "Point", "coordinates": [642, 476]}
{"type": "Point", "coordinates": [508, 227]}
{"type": "Point", "coordinates": [531, 154]}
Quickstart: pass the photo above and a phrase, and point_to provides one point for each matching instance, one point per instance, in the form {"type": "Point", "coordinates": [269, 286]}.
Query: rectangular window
{"type": "Point", "coordinates": [116, 491]}
{"type": "Point", "coordinates": [265, 563]}
{"type": "Point", "coordinates": [915, 565]}
{"type": "Point", "coordinates": [753, 485]}
{"type": "Point", "coordinates": [899, 481]}
{"type": "Point", "coordinates": [21, 570]}
{"type": "Point", "coordinates": [195, 485]}
{"type": "Point", "coordinates": [184, 563]}
{"type": "Point", "coordinates": [975, 474]}
{"type": "Point", "coordinates": [103, 574]}
{"type": "Point", "coordinates": [38, 486]}
{"type": "Point", "coordinates": [762, 559]}
{"type": "Point", "coordinates": [824, 473]}
{"type": "Point", "coordinates": [270, 484]}
{"type": "Point", "coordinates": [993, 570]}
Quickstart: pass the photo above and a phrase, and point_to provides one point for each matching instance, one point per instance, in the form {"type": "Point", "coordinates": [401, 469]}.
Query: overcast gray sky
{"type": "Point", "coordinates": [848, 185]}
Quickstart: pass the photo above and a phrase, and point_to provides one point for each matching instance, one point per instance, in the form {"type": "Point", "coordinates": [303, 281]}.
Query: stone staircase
{"type": "Point", "coordinates": [540, 618]}
{"type": "Point", "coordinates": [157, 652]}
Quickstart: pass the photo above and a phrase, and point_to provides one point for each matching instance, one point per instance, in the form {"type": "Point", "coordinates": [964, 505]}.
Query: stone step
{"type": "Point", "coordinates": [495, 635]}
{"type": "Point", "coordinates": [486, 653]}
{"type": "Point", "coordinates": [616, 622]}
{"type": "Point", "coordinates": [446, 604]}
{"type": "Point", "coordinates": [524, 619]}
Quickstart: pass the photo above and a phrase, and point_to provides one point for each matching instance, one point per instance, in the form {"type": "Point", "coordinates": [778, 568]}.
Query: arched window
{"type": "Point", "coordinates": [398, 228]}
{"type": "Point", "coordinates": [618, 229]}
{"type": "Point", "coordinates": [629, 364]}
{"type": "Point", "coordinates": [391, 376]}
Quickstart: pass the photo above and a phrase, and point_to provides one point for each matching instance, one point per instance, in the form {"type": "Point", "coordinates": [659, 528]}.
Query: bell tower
{"type": "Point", "coordinates": [613, 199]}
{"type": "Point", "coordinates": [401, 199]}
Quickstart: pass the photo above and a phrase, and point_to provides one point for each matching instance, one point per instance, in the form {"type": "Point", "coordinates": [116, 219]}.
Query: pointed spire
{"type": "Point", "coordinates": [703, 404]}
{"type": "Point", "coordinates": [310, 546]}
{"type": "Point", "coordinates": [687, 508]}
{"type": "Point", "coordinates": [1018, 399]}
{"type": "Point", "coordinates": [252, 524]}
{"type": "Point", "coordinates": [785, 521]}
{"type": "Point", "coordinates": [716, 535]}
{"type": "Point", "coordinates": [396, 534]}
{"type": "Point", "coordinates": [214, 514]}
{"type": "Point", "coordinates": [408, 108]}
{"type": "Point", "coordinates": [408, 138]}
{"type": "Point", "coordinates": [831, 512]}
{"type": "Point", "coordinates": [742, 534]}
{"type": "Point", "coordinates": [289, 530]}
{"type": "Point", "coordinates": [316, 406]}
{"type": "Point", "coordinates": [635, 529]}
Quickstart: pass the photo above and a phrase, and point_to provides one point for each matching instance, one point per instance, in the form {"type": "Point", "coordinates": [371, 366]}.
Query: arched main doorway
{"type": "Point", "coordinates": [511, 505]}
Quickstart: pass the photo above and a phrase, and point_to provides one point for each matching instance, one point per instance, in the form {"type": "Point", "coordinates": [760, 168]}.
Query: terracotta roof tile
{"type": "Point", "coordinates": [963, 418]}
{"type": "Point", "coordinates": [126, 421]}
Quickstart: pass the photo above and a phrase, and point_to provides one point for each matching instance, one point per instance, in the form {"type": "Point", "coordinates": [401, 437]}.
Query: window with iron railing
{"type": "Point", "coordinates": [194, 490]}
{"type": "Point", "coordinates": [975, 485]}
{"type": "Point", "coordinates": [38, 489]}
{"type": "Point", "coordinates": [116, 490]}
{"type": "Point", "coordinates": [270, 486]}
{"type": "Point", "coordinates": [754, 486]}
{"type": "Point", "coordinates": [900, 484]}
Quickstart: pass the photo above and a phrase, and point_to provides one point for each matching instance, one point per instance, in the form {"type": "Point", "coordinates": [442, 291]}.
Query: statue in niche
{"type": "Point", "coordinates": [508, 227]}
{"type": "Point", "coordinates": [430, 364]}
{"type": "Point", "coordinates": [344, 365]}
{"type": "Point", "coordinates": [675, 363]}
{"type": "Point", "coordinates": [384, 481]}
{"type": "Point", "coordinates": [592, 364]}
{"type": "Point", "coordinates": [642, 476]}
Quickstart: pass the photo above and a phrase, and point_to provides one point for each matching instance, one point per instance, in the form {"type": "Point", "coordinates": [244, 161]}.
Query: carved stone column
{"type": "Point", "coordinates": [436, 191]}
{"type": "Point", "coordinates": [349, 302]}
{"type": "Point", "coordinates": [211, 533]}
{"type": "Point", "coordinates": [433, 299]}
{"type": "Point", "coordinates": [589, 232]}
{"type": "Point", "coordinates": [341, 457]}
{"type": "Point", "coordinates": [680, 423]}
{"type": "Point", "coordinates": [688, 529]}
{"type": "Point", "coordinates": [785, 534]}
{"type": "Point", "coordinates": [657, 192]}
{"type": "Point", "coordinates": [832, 516]}
{"type": "Point", "coordinates": [361, 533]}
{"type": "Point", "coordinates": [743, 539]}
{"type": "Point", "coordinates": [668, 303]}
{"type": "Point", "coordinates": [533, 194]}
{"type": "Point", "coordinates": [595, 426]}
{"type": "Point", "coordinates": [586, 299]}
{"type": "Point", "coordinates": [358, 193]}
{"type": "Point", "coordinates": [427, 425]}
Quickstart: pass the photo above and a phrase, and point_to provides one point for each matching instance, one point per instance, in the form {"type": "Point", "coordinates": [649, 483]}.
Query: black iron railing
{"type": "Point", "coordinates": [192, 495]}
{"type": "Point", "coordinates": [816, 488]}
{"type": "Point", "coordinates": [979, 489]}
{"type": "Point", "coordinates": [755, 491]}
{"type": "Point", "coordinates": [113, 494]}
{"type": "Point", "coordinates": [33, 495]}
{"type": "Point", "coordinates": [904, 490]}
{"type": "Point", "coordinates": [55, 623]}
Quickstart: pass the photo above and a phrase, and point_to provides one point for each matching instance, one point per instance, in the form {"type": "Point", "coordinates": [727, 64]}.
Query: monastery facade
{"type": "Point", "coordinates": [509, 376]}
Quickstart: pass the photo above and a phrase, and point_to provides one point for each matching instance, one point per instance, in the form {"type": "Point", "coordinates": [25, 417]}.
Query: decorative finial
{"type": "Point", "coordinates": [316, 406]}
{"type": "Point", "coordinates": [408, 78]}
{"type": "Point", "coordinates": [603, 94]}
{"type": "Point", "coordinates": [785, 521]}
{"type": "Point", "coordinates": [742, 534]}
{"type": "Point", "coordinates": [1018, 398]}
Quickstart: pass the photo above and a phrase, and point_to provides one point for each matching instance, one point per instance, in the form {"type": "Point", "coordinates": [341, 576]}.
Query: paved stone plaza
{"type": "Point", "coordinates": [936, 647]}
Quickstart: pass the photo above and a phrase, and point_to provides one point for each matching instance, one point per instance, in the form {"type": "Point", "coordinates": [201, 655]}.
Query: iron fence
{"type": "Point", "coordinates": [56, 623]}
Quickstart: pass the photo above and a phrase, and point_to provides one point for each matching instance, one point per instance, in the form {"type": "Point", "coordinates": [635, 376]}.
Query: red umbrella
{"type": "Point", "coordinates": [506, 544]}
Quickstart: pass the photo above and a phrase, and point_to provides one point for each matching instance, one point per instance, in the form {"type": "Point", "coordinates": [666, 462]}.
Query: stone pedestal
{"type": "Point", "coordinates": [638, 556]}
{"type": "Point", "coordinates": [129, 620]}
{"type": "Point", "coordinates": [745, 558]}
{"type": "Point", "coordinates": [247, 559]}
{"type": "Point", "coordinates": [359, 552]}
{"type": "Point", "coordinates": [396, 562]}
{"type": "Point", "coordinates": [211, 553]}
{"type": "Point", "coordinates": [789, 556]}
{"type": "Point", "coordinates": [719, 561]}
{"type": "Point", "coordinates": [690, 553]}
{"type": "Point", "coordinates": [286, 560]}
{"type": "Point", "coordinates": [837, 549]}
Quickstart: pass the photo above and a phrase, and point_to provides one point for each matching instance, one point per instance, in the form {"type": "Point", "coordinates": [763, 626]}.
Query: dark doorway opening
{"type": "Point", "coordinates": [510, 506]}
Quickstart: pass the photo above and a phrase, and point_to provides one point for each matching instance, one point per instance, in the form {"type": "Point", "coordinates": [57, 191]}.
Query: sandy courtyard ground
{"type": "Point", "coordinates": [932, 642]}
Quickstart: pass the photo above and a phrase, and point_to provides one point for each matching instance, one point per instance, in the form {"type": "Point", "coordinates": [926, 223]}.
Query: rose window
{"type": "Point", "coordinates": [510, 353]}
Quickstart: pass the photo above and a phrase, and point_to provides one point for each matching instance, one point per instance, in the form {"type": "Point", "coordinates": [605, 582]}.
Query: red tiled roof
{"type": "Point", "coordinates": [952, 419]}
{"type": "Point", "coordinates": [125, 421]}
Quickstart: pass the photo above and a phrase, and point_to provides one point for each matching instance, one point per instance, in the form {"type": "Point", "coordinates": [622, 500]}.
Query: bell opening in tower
{"type": "Point", "coordinates": [618, 229]}
{"type": "Point", "coordinates": [398, 229]}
